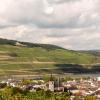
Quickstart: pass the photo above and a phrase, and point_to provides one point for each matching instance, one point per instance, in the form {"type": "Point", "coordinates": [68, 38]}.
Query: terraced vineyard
{"type": "Point", "coordinates": [30, 59]}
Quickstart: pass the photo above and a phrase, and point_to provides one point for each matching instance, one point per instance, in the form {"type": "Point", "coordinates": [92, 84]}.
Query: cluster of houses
{"type": "Point", "coordinates": [81, 88]}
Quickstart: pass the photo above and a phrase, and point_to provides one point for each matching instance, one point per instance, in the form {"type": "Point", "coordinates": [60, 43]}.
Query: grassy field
{"type": "Point", "coordinates": [44, 59]}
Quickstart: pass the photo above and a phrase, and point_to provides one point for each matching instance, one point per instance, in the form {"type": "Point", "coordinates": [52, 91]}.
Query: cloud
{"type": "Point", "coordinates": [73, 24]}
{"type": "Point", "coordinates": [45, 14]}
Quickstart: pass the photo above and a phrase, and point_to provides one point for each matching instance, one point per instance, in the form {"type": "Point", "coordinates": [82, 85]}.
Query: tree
{"type": "Point", "coordinates": [76, 98]}
{"type": "Point", "coordinates": [90, 98]}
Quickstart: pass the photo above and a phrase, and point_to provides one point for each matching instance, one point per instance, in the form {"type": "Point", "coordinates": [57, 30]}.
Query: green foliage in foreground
{"type": "Point", "coordinates": [10, 93]}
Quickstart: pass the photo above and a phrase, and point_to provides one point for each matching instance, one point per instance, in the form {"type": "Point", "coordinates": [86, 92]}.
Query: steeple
{"type": "Point", "coordinates": [51, 78]}
{"type": "Point", "coordinates": [51, 83]}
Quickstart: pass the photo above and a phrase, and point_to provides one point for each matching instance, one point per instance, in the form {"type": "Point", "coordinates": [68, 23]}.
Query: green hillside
{"type": "Point", "coordinates": [27, 58]}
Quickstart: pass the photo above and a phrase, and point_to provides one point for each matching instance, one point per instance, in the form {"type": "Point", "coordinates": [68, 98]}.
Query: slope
{"type": "Point", "coordinates": [27, 58]}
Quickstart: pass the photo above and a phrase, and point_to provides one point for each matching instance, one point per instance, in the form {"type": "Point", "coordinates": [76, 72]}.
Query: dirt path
{"type": "Point", "coordinates": [39, 62]}
{"type": "Point", "coordinates": [34, 62]}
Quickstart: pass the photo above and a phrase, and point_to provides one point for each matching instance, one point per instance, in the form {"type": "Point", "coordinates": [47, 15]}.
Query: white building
{"type": "Point", "coordinates": [51, 85]}
{"type": "Point", "coordinates": [98, 79]}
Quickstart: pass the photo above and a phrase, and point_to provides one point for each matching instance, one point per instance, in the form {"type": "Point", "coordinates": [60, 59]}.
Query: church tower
{"type": "Point", "coordinates": [51, 84]}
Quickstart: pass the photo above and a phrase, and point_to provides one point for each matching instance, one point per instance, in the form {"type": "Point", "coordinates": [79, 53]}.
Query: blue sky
{"type": "Point", "coordinates": [72, 24]}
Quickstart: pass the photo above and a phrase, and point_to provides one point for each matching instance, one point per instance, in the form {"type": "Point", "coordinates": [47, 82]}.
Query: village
{"type": "Point", "coordinates": [80, 88]}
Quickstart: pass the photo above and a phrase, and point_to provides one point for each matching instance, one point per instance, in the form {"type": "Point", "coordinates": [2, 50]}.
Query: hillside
{"type": "Point", "coordinates": [13, 43]}
{"type": "Point", "coordinates": [21, 58]}
{"type": "Point", "coordinates": [94, 52]}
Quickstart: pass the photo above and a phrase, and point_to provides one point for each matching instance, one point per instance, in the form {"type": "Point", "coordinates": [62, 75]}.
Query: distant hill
{"type": "Point", "coordinates": [94, 52]}
{"type": "Point", "coordinates": [27, 58]}
{"type": "Point", "coordinates": [13, 43]}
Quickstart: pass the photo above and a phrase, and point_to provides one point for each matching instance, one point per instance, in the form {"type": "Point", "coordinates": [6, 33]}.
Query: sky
{"type": "Point", "coordinates": [72, 24]}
